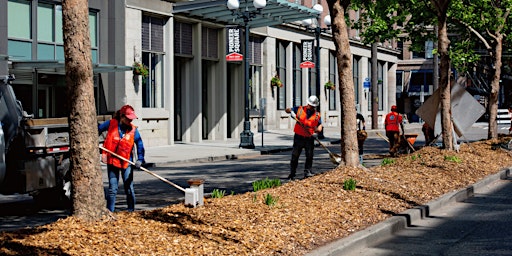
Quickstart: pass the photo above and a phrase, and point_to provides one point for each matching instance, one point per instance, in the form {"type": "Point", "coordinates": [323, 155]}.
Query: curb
{"type": "Point", "coordinates": [385, 229]}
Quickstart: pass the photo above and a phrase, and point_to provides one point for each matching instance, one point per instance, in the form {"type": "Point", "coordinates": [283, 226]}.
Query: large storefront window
{"type": "Point", "coordinates": [152, 57]}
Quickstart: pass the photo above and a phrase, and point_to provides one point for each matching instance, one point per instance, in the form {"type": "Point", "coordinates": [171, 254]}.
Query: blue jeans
{"type": "Point", "coordinates": [113, 185]}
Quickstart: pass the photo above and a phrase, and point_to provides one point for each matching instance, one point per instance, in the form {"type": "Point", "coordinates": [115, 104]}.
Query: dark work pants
{"type": "Point", "coordinates": [299, 143]}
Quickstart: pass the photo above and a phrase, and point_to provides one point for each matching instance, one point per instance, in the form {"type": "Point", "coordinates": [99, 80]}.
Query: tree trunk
{"type": "Point", "coordinates": [375, 86]}
{"type": "Point", "coordinates": [495, 88]}
{"type": "Point", "coordinates": [349, 149]}
{"type": "Point", "coordinates": [445, 74]}
{"type": "Point", "coordinates": [88, 196]}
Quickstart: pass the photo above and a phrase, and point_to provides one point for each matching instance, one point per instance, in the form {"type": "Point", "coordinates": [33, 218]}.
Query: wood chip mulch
{"type": "Point", "coordinates": [308, 213]}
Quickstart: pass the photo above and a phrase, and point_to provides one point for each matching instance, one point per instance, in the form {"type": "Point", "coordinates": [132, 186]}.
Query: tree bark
{"type": "Point", "coordinates": [445, 73]}
{"type": "Point", "coordinates": [349, 149]}
{"type": "Point", "coordinates": [87, 194]}
{"type": "Point", "coordinates": [495, 88]}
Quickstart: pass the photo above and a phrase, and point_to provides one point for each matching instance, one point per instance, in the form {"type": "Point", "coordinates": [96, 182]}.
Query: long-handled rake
{"type": "Point", "coordinates": [144, 169]}
{"type": "Point", "coordinates": [335, 158]}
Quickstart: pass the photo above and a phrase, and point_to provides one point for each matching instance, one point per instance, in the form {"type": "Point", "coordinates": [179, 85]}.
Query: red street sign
{"type": "Point", "coordinates": [307, 64]}
{"type": "Point", "coordinates": [234, 57]}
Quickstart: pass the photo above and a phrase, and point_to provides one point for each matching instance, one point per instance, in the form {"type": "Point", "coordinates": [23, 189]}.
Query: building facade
{"type": "Point", "coordinates": [192, 93]}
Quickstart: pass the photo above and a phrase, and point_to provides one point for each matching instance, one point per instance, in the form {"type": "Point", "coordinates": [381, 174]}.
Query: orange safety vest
{"type": "Point", "coordinates": [393, 121]}
{"type": "Point", "coordinates": [121, 146]}
{"type": "Point", "coordinates": [309, 123]}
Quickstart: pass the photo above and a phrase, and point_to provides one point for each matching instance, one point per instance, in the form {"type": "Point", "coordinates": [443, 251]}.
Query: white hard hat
{"type": "Point", "coordinates": [313, 100]}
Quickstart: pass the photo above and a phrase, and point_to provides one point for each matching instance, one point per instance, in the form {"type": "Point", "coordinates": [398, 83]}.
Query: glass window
{"type": "Point", "coordinates": [355, 77]}
{"type": "Point", "coordinates": [58, 25]}
{"type": "Point", "coordinates": [45, 23]}
{"type": "Point", "coordinates": [297, 76]}
{"type": "Point", "coordinates": [152, 57]}
{"type": "Point", "coordinates": [380, 83]}
{"type": "Point", "coordinates": [19, 50]}
{"type": "Point", "coordinates": [281, 71]}
{"type": "Point", "coordinates": [19, 20]}
{"type": "Point", "coordinates": [93, 29]}
{"type": "Point", "coordinates": [332, 77]}
{"type": "Point", "coordinates": [45, 52]}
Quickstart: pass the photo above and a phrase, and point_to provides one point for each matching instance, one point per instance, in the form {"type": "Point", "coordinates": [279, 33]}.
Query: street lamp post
{"type": "Point", "coordinates": [318, 30]}
{"type": "Point", "coordinates": [246, 136]}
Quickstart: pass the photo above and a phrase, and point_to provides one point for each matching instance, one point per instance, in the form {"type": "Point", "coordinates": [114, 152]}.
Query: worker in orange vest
{"type": "Point", "coordinates": [392, 124]}
{"type": "Point", "coordinates": [121, 137]}
{"type": "Point", "coordinates": [308, 123]}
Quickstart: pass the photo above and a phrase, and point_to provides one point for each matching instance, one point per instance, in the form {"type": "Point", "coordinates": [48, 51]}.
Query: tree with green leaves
{"type": "Point", "coordinates": [87, 194]}
{"type": "Point", "coordinates": [488, 22]}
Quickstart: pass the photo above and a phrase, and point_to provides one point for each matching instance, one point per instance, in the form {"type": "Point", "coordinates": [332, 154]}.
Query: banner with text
{"type": "Point", "coordinates": [234, 45]}
{"type": "Point", "coordinates": [307, 54]}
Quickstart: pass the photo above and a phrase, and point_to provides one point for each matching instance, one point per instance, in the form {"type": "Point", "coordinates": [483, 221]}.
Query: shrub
{"type": "Point", "coordinates": [218, 193]}
{"type": "Point", "coordinates": [265, 183]}
{"type": "Point", "coordinates": [349, 184]}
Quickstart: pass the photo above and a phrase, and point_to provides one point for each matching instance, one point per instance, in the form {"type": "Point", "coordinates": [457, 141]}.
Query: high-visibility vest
{"type": "Point", "coordinates": [310, 123]}
{"type": "Point", "coordinates": [392, 122]}
{"type": "Point", "coordinates": [121, 146]}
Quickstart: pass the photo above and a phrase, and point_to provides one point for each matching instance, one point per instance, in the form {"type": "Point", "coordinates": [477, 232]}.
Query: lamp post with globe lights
{"type": "Point", "coordinates": [318, 30]}
{"type": "Point", "coordinates": [246, 136]}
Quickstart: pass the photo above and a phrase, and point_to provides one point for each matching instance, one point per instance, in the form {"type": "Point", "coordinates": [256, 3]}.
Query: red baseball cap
{"type": "Point", "coordinates": [394, 108]}
{"type": "Point", "coordinates": [128, 112]}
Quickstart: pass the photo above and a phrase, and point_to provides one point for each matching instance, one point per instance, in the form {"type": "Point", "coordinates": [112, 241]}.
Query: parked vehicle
{"type": "Point", "coordinates": [34, 153]}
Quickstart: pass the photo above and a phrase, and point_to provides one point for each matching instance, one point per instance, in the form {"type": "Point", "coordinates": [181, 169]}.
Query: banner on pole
{"type": "Point", "coordinates": [234, 49]}
{"type": "Point", "coordinates": [307, 54]}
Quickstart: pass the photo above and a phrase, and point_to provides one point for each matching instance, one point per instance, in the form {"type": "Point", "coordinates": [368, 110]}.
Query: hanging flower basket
{"type": "Point", "coordinates": [329, 85]}
{"type": "Point", "coordinates": [276, 81]}
{"type": "Point", "coordinates": [140, 69]}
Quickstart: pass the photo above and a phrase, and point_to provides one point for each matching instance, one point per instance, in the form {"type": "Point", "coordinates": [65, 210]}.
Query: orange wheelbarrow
{"type": "Point", "coordinates": [407, 142]}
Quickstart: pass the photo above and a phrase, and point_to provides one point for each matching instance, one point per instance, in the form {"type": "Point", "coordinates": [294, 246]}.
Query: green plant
{"type": "Point", "coordinates": [140, 69]}
{"type": "Point", "coordinates": [349, 184]}
{"type": "Point", "coordinates": [275, 81]}
{"type": "Point", "coordinates": [454, 159]}
{"type": "Point", "coordinates": [387, 161]}
{"type": "Point", "coordinates": [329, 85]}
{"type": "Point", "coordinates": [414, 157]}
{"type": "Point", "coordinates": [265, 183]}
{"type": "Point", "coordinates": [216, 193]}
{"type": "Point", "coordinates": [270, 200]}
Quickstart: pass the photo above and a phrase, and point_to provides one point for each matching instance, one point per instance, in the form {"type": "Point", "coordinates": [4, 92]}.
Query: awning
{"type": "Point", "coordinates": [58, 66]}
{"type": "Point", "coordinates": [276, 12]}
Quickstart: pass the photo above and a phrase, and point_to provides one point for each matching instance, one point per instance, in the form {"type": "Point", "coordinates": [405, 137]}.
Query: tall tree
{"type": "Point", "coordinates": [377, 23]}
{"type": "Point", "coordinates": [349, 149]}
{"type": "Point", "coordinates": [87, 194]}
{"type": "Point", "coordinates": [488, 21]}
{"type": "Point", "coordinates": [423, 16]}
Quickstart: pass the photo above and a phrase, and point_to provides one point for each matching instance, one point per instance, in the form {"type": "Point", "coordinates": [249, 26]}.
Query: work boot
{"type": "Point", "coordinates": [308, 173]}
{"type": "Point", "coordinates": [291, 176]}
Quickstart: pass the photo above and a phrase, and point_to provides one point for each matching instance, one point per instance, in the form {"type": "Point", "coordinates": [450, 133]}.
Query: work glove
{"type": "Point", "coordinates": [138, 164]}
{"type": "Point", "coordinates": [294, 116]}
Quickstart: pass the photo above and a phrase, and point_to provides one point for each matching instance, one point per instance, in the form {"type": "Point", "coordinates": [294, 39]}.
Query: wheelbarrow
{"type": "Point", "coordinates": [407, 143]}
